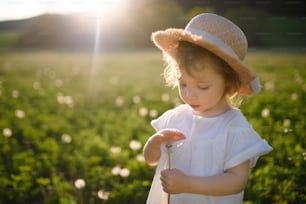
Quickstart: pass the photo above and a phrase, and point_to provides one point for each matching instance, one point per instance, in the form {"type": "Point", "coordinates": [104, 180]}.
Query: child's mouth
{"type": "Point", "coordinates": [194, 106]}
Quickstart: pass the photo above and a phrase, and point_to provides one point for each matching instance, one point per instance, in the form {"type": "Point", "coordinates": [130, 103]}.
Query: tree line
{"type": "Point", "coordinates": [132, 25]}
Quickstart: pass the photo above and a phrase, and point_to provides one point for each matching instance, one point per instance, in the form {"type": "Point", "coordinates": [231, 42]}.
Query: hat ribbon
{"type": "Point", "coordinates": [255, 85]}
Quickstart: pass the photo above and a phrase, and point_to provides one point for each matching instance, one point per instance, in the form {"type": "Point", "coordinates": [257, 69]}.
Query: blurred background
{"type": "Point", "coordinates": [127, 24]}
{"type": "Point", "coordinates": [80, 82]}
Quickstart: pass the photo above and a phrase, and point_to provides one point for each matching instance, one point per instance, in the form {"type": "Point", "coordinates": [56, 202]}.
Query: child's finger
{"type": "Point", "coordinates": [172, 135]}
{"type": "Point", "coordinates": [176, 134]}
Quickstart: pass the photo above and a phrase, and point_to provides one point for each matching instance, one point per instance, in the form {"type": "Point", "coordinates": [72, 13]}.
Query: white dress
{"type": "Point", "coordinates": [212, 145]}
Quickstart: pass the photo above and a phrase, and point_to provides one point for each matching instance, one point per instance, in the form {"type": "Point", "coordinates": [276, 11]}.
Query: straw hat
{"type": "Point", "coordinates": [220, 36]}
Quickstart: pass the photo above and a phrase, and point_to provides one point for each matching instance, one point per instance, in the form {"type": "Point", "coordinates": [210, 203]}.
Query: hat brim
{"type": "Point", "coordinates": [168, 41]}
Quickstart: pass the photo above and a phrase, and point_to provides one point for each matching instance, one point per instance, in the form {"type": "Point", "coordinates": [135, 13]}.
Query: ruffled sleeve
{"type": "Point", "coordinates": [243, 144]}
{"type": "Point", "coordinates": [171, 118]}
{"type": "Point", "coordinates": [162, 121]}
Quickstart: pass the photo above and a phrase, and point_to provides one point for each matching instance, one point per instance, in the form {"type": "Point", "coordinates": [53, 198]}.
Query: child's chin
{"type": "Point", "coordinates": [197, 112]}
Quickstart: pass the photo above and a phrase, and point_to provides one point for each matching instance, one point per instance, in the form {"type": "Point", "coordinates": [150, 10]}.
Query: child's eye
{"type": "Point", "coordinates": [182, 85]}
{"type": "Point", "coordinates": [204, 88]}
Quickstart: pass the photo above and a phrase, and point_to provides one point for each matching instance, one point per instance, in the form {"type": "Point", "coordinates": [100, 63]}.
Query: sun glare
{"type": "Point", "coordinates": [97, 7]}
{"type": "Point", "coordinates": [22, 9]}
{"type": "Point", "coordinates": [103, 10]}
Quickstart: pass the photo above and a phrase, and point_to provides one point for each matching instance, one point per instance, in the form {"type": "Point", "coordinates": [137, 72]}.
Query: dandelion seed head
{"type": "Point", "coordinates": [124, 172]}
{"type": "Point", "coordinates": [136, 99]}
{"type": "Point", "coordinates": [115, 150]}
{"type": "Point", "coordinates": [265, 113]}
{"type": "Point", "coordinates": [69, 101]}
{"type": "Point", "coordinates": [60, 98]}
{"type": "Point", "coordinates": [66, 138]}
{"type": "Point", "coordinates": [79, 183]}
{"type": "Point", "coordinates": [119, 101]}
{"type": "Point", "coordinates": [15, 94]}
{"type": "Point", "coordinates": [286, 130]}
{"type": "Point", "coordinates": [269, 85]}
{"type": "Point", "coordinates": [287, 122]}
{"type": "Point", "coordinates": [153, 113]}
{"type": "Point", "coordinates": [65, 100]}
{"type": "Point", "coordinates": [165, 97]}
{"type": "Point", "coordinates": [294, 96]}
{"type": "Point", "coordinates": [103, 195]}
{"type": "Point", "coordinates": [116, 170]}
{"type": "Point", "coordinates": [135, 145]}
{"type": "Point", "coordinates": [20, 114]}
{"type": "Point", "coordinates": [140, 158]}
{"type": "Point", "coordinates": [7, 132]}
{"type": "Point", "coordinates": [36, 85]}
{"type": "Point", "coordinates": [143, 111]}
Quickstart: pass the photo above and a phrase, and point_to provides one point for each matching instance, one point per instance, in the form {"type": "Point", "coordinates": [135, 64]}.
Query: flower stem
{"type": "Point", "coordinates": [168, 146]}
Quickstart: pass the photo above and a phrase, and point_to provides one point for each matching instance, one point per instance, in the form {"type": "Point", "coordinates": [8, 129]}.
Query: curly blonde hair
{"type": "Point", "coordinates": [191, 58]}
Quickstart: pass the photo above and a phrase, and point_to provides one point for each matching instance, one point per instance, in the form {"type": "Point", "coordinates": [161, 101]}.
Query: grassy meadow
{"type": "Point", "coordinates": [73, 126]}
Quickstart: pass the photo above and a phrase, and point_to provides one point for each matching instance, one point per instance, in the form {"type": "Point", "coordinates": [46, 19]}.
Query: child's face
{"type": "Point", "coordinates": [204, 92]}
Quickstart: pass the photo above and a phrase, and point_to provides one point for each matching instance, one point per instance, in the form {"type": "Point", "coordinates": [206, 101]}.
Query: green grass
{"type": "Point", "coordinates": [76, 113]}
{"type": "Point", "coordinates": [8, 39]}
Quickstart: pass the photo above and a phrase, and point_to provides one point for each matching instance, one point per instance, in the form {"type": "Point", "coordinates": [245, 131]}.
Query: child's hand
{"type": "Point", "coordinates": [170, 135]}
{"type": "Point", "coordinates": [152, 150]}
{"type": "Point", "coordinates": [173, 181]}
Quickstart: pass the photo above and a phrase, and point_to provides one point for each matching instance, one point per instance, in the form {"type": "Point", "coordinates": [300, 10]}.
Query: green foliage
{"type": "Point", "coordinates": [127, 26]}
{"type": "Point", "coordinates": [251, 23]}
{"type": "Point", "coordinates": [62, 121]}
{"type": "Point", "coordinates": [8, 39]}
{"type": "Point", "coordinates": [124, 27]}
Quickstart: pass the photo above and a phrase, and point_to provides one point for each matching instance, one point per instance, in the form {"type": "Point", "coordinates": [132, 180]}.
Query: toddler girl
{"type": "Point", "coordinates": [204, 148]}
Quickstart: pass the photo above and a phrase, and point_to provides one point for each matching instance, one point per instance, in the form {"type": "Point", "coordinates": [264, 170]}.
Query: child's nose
{"type": "Point", "coordinates": [189, 92]}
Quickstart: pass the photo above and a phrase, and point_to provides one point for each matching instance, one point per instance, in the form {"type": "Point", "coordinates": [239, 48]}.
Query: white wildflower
{"type": "Point", "coordinates": [265, 113]}
{"type": "Point", "coordinates": [15, 94]}
{"type": "Point", "coordinates": [115, 150]}
{"type": "Point", "coordinates": [287, 122]}
{"type": "Point", "coordinates": [125, 172]}
{"type": "Point", "coordinates": [135, 145]}
{"type": "Point", "coordinates": [66, 138]}
{"type": "Point", "coordinates": [294, 96]}
{"type": "Point", "coordinates": [140, 158]}
{"type": "Point", "coordinates": [143, 111]}
{"type": "Point", "coordinates": [136, 99]}
{"type": "Point", "coordinates": [269, 85]}
{"type": "Point", "coordinates": [116, 171]}
{"type": "Point", "coordinates": [103, 195]}
{"type": "Point", "coordinates": [7, 132]}
{"type": "Point", "coordinates": [119, 101]}
{"type": "Point", "coordinates": [165, 97]}
{"type": "Point", "coordinates": [79, 183]}
{"type": "Point", "coordinates": [20, 114]}
{"type": "Point", "coordinates": [153, 113]}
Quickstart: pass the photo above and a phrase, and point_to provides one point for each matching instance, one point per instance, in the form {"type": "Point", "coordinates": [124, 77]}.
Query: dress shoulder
{"type": "Point", "coordinates": [167, 117]}
{"type": "Point", "coordinates": [243, 142]}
